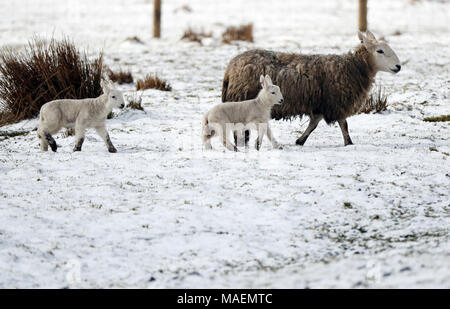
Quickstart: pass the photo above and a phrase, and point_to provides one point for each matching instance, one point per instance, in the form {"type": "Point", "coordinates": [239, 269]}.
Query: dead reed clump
{"type": "Point", "coordinates": [442, 118]}
{"type": "Point", "coordinates": [152, 81]}
{"type": "Point", "coordinates": [376, 102]}
{"type": "Point", "coordinates": [195, 36]}
{"type": "Point", "coordinates": [120, 77]}
{"type": "Point", "coordinates": [135, 102]}
{"type": "Point", "coordinates": [45, 72]}
{"type": "Point", "coordinates": [240, 33]}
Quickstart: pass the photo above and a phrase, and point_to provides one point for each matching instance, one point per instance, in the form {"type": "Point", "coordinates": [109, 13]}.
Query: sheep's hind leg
{"type": "Point", "coordinates": [105, 136]}
{"type": "Point", "coordinates": [313, 122]}
{"type": "Point", "coordinates": [344, 128]}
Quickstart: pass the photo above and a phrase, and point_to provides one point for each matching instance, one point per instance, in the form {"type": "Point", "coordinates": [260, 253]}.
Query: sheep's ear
{"type": "Point", "coordinates": [361, 36]}
{"type": "Point", "coordinates": [366, 41]}
{"type": "Point", "coordinates": [268, 80]}
{"type": "Point", "coordinates": [262, 81]}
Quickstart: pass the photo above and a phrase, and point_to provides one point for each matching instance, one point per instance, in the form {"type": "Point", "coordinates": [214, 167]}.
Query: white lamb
{"type": "Point", "coordinates": [80, 115]}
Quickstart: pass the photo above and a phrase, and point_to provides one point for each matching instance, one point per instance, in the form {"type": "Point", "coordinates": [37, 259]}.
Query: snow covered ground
{"type": "Point", "coordinates": [164, 213]}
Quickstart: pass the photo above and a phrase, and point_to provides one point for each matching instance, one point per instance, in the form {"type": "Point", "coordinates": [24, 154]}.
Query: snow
{"type": "Point", "coordinates": [163, 213]}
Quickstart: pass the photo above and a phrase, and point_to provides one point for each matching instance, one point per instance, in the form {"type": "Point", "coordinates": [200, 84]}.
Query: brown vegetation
{"type": "Point", "coordinates": [240, 33]}
{"type": "Point", "coordinates": [195, 36]}
{"type": "Point", "coordinates": [44, 72]}
{"type": "Point", "coordinates": [153, 82]}
{"type": "Point", "coordinates": [376, 102]}
{"type": "Point", "coordinates": [120, 77]}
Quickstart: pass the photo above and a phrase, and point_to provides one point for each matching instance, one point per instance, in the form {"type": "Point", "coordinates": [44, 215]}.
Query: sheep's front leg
{"type": "Point", "coordinates": [272, 138]}
{"type": "Point", "coordinates": [344, 128]}
{"type": "Point", "coordinates": [105, 136]}
{"type": "Point", "coordinates": [262, 128]}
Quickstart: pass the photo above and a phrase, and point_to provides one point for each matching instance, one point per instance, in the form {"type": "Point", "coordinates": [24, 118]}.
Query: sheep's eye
{"type": "Point", "coordinates": [113, 96]}
{"type": "Point", "coordinates": [380, 51]}
{"type": "Point", "coordinates": [273, 92]}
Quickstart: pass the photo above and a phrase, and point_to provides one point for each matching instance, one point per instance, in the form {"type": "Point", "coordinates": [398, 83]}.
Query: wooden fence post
{"type": "Point", "coordinates": [156, 18]}
{"type": "Point", "coordinates": [362, 15]}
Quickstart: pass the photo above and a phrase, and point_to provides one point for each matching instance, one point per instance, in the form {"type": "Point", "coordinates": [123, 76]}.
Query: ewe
{"type": "Point", "coordinates": [78, 114]}
{"type": "Point", "coordinates": [330, 87]}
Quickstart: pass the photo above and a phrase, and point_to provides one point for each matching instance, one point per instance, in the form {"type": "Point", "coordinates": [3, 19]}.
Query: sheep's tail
{"type": "Point", "coordinates": [225, 88]}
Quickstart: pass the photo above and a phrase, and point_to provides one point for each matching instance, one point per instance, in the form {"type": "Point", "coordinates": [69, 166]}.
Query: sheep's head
{"type": "Point", "coordinates": [115, 97]}
{"type": "Point", "coordinates": [385, 58]}
{"type": "Point", "coordinates": [270, 92]}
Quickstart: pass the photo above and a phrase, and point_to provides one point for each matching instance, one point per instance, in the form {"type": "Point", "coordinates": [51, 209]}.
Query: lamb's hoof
{"type": "Point", "coordinates": [54, 148]}
{"type": "Point", "coordinates": [348, 143]}
{"type": "Point", "coordinates": [300, 142]}
{"type": "Point", "coordinates": [112, 150]}
{"type": "Point", "coordinates": [76, 149]}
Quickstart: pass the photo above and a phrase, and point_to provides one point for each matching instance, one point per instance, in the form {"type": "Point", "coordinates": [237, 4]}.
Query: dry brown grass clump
{"type": "Point", "coordinates": [44, 72]}
{"type": "Point", "coordinates": [376, 102]}
{"type": "Point", "coordinates": [135, 102]}
{"type": "Point", "coordinates": [195, 36]}
{"type": "Point", "coordinates": [442, 118]}
{"type": "Point", "coordinates": [240, 33]}
{"type": "Point", "coordinates": [120, 77]}
{"type": "Point", "coordinates": [153, 82]}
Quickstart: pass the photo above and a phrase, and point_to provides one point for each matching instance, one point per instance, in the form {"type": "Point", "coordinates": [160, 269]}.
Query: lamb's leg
{"type": "Point", "coordinates": [208, 133]}
{"type": "Point", "coordinates": [272, 138]}
{"type": "Point", "coordinates": [42, 140]}
{"type": "Point", "coordinates": [105, 136]}
{"type": "Point", "coordinates": [225, 141]}
{"type": "Point", "coordinates": [262, 128]}
{"type": "Point", "coordinates": [344, 128]}
{"type": "Point", "coordinates": [246, 138]}
{"type": "Point", "coordinates": [79, 137]}
{"type": "Point", "coordinates": [313, 122]}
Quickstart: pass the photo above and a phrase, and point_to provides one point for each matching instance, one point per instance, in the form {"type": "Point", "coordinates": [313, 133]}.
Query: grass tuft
{"type": "Point", "coordinates": [376, 102]}
{"type": "Point", "coordinates": [240, 33]}
{"type": "Point", "coordinates": [152, 81]}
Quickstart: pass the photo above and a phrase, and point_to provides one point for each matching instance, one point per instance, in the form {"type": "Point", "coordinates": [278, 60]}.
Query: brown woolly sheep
{"type": "Point", "coordinates": [329, 87]}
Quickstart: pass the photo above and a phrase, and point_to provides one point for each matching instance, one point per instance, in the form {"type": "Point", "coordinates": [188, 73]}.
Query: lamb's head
{"type": "Point", "coordinates": [385, 58]}
{"type": "Point", "coordinates": [115, 97]}
{"type": "Point", "coordinates": [270, 93]}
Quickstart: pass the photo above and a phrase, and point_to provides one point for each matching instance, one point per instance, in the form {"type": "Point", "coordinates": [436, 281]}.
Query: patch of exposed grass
{"type": "Point", "coordinates": [153, 82]}
{"type": "Point", "coordinates": [240, 33]}
{"type": "Point", "coordinates": [195, 36]}
{"type": "Point", "coordinates": [135, 102]}
{"type": "Point", "coordinates": [120, 77]}
{"type": "Point", "coordinates": [376, 102]}
{"type": "Point", "coordinates": [442, 118]}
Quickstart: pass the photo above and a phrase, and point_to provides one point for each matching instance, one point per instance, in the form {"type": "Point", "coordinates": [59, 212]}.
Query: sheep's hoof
{"type": "Point", "coordinates": [76, 149]}
{"type": "Point", "coordinates": [348, 143]}
{"type": "Point", "coordinates": [112, 150]}
{"type": "Point", "coordinates": [300, 142]}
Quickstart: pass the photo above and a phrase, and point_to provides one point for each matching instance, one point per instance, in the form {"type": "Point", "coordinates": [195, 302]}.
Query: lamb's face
{"type": "Point", "coordinates": [115, 97]}
{"type": "Point", "coordinates": [385, 58]}
{"type": "Point", "coordinates": [275, 93]}
{"type": "Point", "coordinates": [271, 92]}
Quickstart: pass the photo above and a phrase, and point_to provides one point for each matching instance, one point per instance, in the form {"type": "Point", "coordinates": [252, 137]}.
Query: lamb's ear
{"type": "Point", "coordinates": [268, 80]}
{"type": "Point", "coordinates": [370, 36]}
{"type": "Point", "coordinates": [105, 87]}
{"type": "Point", "coordinates": [262, 81]}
